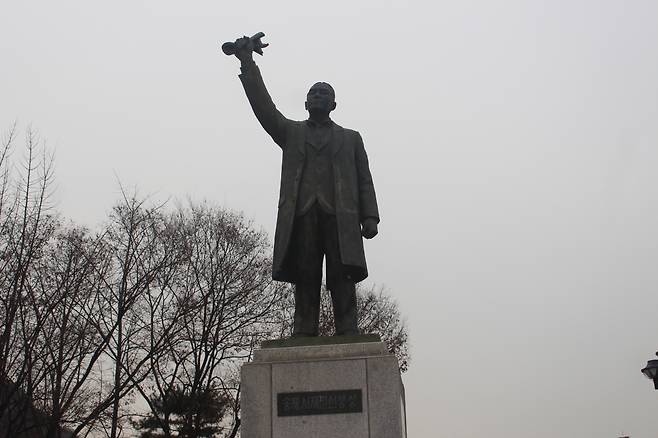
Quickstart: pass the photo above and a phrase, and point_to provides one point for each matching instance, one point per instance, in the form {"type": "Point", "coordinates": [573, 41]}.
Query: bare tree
{"type": "Point", "coordinates": [229, 296]}
{"type": "Point", "coordinates": [49, 295]}
{"type": "Point", "coordinates": [25, 228]}
{"type": "Point", "coordinates": [66, 286]}
{"type": "Point", "coordinates": [141, 266]}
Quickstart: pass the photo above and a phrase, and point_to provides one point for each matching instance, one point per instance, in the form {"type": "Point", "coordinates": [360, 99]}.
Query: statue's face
{"type": "Point", "coordinates": [320, 98]}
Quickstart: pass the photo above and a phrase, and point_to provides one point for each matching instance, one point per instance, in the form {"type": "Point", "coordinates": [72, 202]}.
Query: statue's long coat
{"type": "Point", "coordinates": [354, 191]}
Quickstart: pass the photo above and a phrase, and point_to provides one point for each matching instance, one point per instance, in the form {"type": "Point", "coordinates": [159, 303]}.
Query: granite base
{"type": "Point", "coordinates": [323, 388]}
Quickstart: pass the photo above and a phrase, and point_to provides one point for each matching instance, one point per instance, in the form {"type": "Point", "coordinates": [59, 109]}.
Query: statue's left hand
{"type": "Point", "coordinates": [369, 228]}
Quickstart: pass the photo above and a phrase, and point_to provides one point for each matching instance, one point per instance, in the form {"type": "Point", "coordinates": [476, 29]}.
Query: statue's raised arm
{"type": "Point", "coordinates": [269, 117]}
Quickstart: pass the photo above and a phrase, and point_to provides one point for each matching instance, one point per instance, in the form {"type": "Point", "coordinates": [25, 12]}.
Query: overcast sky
{"type": "Point", "coordinates": [513, 145]}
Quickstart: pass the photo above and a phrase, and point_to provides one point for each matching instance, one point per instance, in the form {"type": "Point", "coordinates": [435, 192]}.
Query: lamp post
{"type": "Point", "coordinates": [651, 371]}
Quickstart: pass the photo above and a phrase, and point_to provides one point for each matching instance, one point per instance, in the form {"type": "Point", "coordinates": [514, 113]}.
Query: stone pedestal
{"type": "Point", "coordinates": [334, 387]}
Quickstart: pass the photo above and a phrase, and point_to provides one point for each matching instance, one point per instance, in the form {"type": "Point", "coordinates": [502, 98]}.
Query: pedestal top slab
{"type": "Point", "coordinates": [303, 341]}
{"type": "Point", "coordinates": [321, 348]}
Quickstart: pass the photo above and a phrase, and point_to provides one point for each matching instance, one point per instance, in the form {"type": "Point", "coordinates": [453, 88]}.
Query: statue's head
{"type": "Point", "coordinates": [320, 99]}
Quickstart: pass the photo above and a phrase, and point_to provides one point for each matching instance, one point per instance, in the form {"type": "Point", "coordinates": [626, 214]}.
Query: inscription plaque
{"type": "Point", "coordinates": [319, 403]}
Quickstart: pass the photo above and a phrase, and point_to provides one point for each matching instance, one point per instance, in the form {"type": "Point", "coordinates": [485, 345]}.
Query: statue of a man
{"type": "Point", "coordinates": [326, 203]}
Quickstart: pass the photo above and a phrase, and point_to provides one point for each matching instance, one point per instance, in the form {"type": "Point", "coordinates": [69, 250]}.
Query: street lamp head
{"type": "Point", "coordinates": [651, 371]}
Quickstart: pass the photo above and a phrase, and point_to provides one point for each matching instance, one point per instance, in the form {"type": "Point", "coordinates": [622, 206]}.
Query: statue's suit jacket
{"type": "Point", "coordinates": [354, 190]}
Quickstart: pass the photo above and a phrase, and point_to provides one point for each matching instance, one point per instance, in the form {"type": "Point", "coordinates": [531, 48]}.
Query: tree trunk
{"type": "Point", "coordinates": [117, 367]}
{"type": "Point", "coordinates": [236, 427]}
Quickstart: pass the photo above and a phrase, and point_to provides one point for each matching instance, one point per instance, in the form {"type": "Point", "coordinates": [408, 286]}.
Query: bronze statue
{"type": "Point", "coordinates": [326, 203]}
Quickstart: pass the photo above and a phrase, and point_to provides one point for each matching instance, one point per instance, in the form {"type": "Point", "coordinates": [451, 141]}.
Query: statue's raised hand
{"type": "Point", "coordinates": [244, 47]}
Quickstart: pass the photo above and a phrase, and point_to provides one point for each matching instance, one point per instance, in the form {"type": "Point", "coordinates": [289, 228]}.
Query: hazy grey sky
{"type": "Point", "coordinates": [513, 146]}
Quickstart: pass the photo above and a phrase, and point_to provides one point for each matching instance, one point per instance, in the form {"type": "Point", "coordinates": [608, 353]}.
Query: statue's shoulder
{"type": "Point", "coordinates": [351, 135]}
{"type": "Point", "coordinates": [346, 131]}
